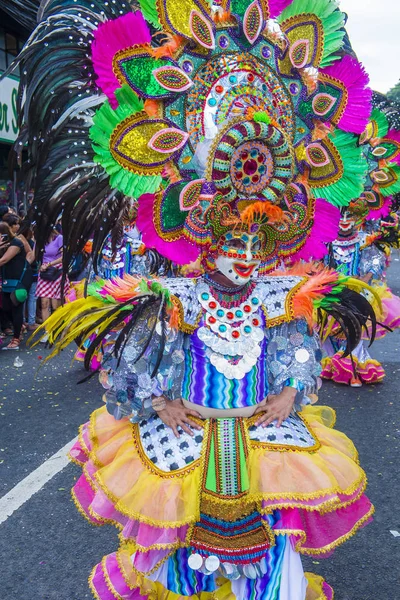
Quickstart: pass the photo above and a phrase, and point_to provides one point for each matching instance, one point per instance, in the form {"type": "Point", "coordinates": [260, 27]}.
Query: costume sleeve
{"type": "Point", "coordinates": [293, 359]}
{"type": "Point", "coordinates": [372, 260]}
{"type": "Point", "coordinates": [131, 385]}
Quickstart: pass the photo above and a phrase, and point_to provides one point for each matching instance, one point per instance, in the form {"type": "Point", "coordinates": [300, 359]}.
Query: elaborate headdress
{"type": "Point", "coordinates": [380, 143]}
{"type": "Point", "coordinates": [203, 111]}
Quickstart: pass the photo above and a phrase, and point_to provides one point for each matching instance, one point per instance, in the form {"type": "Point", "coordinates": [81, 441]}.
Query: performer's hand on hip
{"type": "Point", "coordinates": [175, 415]}
{"type": "Point", "coordinates": [276, 407]}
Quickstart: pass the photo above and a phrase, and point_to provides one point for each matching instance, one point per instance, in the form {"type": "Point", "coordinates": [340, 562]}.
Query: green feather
{"type": "Point", "coordinates": [149, 10]}
{"type": "Point", "coordinates": [381, 122]}
{"type": "Point", "coordinates": [104, 122]}
{"type": "Point", "coordinates": [354, 163]}
{"type": "Point", "coordinates": [332, 20]}
{"type": "Point", "coordinates": [394, 188]}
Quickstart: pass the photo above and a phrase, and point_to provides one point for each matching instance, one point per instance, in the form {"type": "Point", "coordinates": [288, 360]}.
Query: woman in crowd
{"type": "Point", "coordinates": [26, 231]}
{"type": "Point", "coordinates": [13, 221]}
{"type": "Point", "coordinates": [16, 278]}
{"type": "Point", "coordinates": [50, 275]}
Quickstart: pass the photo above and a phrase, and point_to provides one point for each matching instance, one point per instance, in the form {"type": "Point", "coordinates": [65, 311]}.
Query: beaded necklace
{"type": "Point", "coordinates": [230, 296]}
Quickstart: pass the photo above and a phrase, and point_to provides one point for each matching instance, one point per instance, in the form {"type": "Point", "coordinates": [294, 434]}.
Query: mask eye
{"type": "Point", "coordinates": [256, 247]}
{"type": "Point", "coordinates": [236, 243]}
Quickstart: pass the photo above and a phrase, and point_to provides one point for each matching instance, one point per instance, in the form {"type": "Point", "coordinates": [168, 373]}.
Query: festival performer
{"type": "Point", "coordinates": [359, 250]}
{"type": "Point", "coordinates": [236, 127]}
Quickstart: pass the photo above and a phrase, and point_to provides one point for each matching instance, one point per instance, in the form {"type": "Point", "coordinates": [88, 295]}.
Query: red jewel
{"type": "Point", "coordinates": [211, 320]}
{"type": "Point", "coordinates": [250, 77]}
{"type": "Point", "coordinates": [239, 175]}
{"type": "Point", "coordinates": [219, 89]}
{"type": "Point", "coordinates": [255, 178]}
{"type": "Point", "coordinates": [235, 255]}
{"type": "Point", "coordinates": [244, 155]}
{"type": "Point", "coordinates": [256, 322]}
{"type": "Point", "coordinates": [212, 304]}
{"type": "Point", "coordinates": [261, 158]}
{"type": "Point", "coordinates": [247, 308]}
{"type": "Point", "coordinates": [235, 334]}
{"type": "Point", "coordinates": [229, 315]}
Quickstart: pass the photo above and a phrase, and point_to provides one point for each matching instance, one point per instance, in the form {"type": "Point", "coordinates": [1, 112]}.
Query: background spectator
{"type": "Point", "coordinates": [48, 290]}
{"type": "Point", "coordinates": [30, 306]}
{"type": "Point", "coordinates": [13, 221]}
{"type": "Point", "coordinates": [16, 278]}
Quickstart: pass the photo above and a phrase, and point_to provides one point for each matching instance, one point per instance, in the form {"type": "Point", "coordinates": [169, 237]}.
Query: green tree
{"type": "Point", "coordinates": [394, 93]}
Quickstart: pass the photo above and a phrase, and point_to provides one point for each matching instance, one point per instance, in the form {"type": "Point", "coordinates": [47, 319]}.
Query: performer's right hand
{"type": "Point", "coordinates": [175, 415]}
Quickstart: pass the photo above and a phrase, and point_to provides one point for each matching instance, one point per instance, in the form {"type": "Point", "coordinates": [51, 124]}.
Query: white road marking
{"type": "Point", "coordinates": [25, 489]}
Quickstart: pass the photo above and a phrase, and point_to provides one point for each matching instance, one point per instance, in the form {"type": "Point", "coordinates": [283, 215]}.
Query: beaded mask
{"type": "Point", "coordinates": [239, 255]}
{"type": "Point", "coordinates": [353, 217]}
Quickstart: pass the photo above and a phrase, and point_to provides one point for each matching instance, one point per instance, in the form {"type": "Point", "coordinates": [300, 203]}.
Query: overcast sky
{"type": "Point", "coordinates": [374, 30]}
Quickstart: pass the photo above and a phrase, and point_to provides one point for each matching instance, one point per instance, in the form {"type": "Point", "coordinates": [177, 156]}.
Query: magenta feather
{"type": "Point", "coordinates": [109, 38]}
{"type": "Point", "coordinates": [324, 230]}
{"type": "Point", "coordinates": [180, 251]}
{"type": "Point", "coordinates": [277, 6]}
{"type": "Point", "coordinates": [359, 104]}
{"type": "Point", "coordinates": [382, 212]}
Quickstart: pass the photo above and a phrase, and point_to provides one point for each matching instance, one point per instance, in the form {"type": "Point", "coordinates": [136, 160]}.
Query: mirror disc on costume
{"type": "Point", "coordinates": [195, 561]}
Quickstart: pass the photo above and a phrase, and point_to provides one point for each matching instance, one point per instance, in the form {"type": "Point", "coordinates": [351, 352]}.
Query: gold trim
{"type": "Point", "coordinates": [81, 510]}
{"type": "Point", "coordinates": [329, 547]}
{"type": "Point", "coordinates": [108, 581]}
{"type": "Point", "coordinates": [151, 466]}
{"type": "Point", "coordinates": [325, 80]}
{"type": "Point", "coordinates": [182, 325]}
{"type": "Point", "coordinates": [286, 447]}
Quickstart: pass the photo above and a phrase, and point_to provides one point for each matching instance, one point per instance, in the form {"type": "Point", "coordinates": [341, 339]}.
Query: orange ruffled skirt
{"type": "Point", "coordinates": [312, 495]}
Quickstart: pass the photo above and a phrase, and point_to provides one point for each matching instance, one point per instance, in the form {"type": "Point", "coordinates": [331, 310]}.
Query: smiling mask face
{"type": "Point", "coordinates": [347, 223]}
{"type": "Point", "coordinates": [239, 256]}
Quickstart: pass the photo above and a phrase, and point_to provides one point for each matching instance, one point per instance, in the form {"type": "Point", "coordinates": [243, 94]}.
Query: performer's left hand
{"type": "Point", "coordinates": [276, 407]}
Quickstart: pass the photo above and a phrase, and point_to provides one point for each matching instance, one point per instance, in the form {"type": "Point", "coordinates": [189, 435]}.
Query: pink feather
{"type": "Point", "coordinates": [181, 251]}
{"type": "Point", "coordinates": [383, 211]}
{"type": "Point", "coordinates": [394, 135]}
{"type": "Point", "coordinates": [355, 78]}
{"type": "Point", "coordinates": [277, 6]}
{"type": "Point", "coordinates": [109, 38]}
{"type": "Point", "coordinates": [324, 230]}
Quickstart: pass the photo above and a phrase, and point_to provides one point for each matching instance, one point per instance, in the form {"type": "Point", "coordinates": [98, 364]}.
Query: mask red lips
{"type": "Point", "coordinates": [243, 270]}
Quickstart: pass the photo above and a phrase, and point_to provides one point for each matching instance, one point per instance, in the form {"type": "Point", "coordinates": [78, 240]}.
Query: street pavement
{"type": "Point", "coordinates": [47, 549]}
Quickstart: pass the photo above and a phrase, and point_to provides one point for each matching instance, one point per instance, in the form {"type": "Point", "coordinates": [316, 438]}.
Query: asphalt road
{"type": "Point", "coordinates": [47, 549]}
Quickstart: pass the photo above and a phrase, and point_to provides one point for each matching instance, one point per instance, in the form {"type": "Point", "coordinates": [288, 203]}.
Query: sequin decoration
{"type": "Point", "coordinates": [251, 167]}
{"type": "Point", "coordinates": [322, 104]}
{"type": "Point", "coordinates": [172, 78]}
{"type": "Point", "coordinates": [327, 167]}
{"type": "Point", "coordinates": [135, 66]}
{"type": "Point", "coordinates": [202, 30]}
{"type": "Point", "coordinates": [317, 155]}
{"type": "Point", "coordinates": [129, 144]}
{"type": "Point", "coordinates": [298, 29]}
{"type": "Point", "coordinates": [168, 140]}
{"type": "Point", "coordinates": [244, 82]}
{"type": "Point", "coordinates": [384, 177]}
{"type": "Point", "coordinates": [189, 196]}
{"type": "Point", "coordinates": [253, 22]}
{"type": "Point", "coordinates": [175, 15]}
{"type": "Point", "coordinates": [299, 53]}
{"type": "Point", "coordinates": [235, 172]}
{"type": "Point", "coordinates": [329, 103]}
